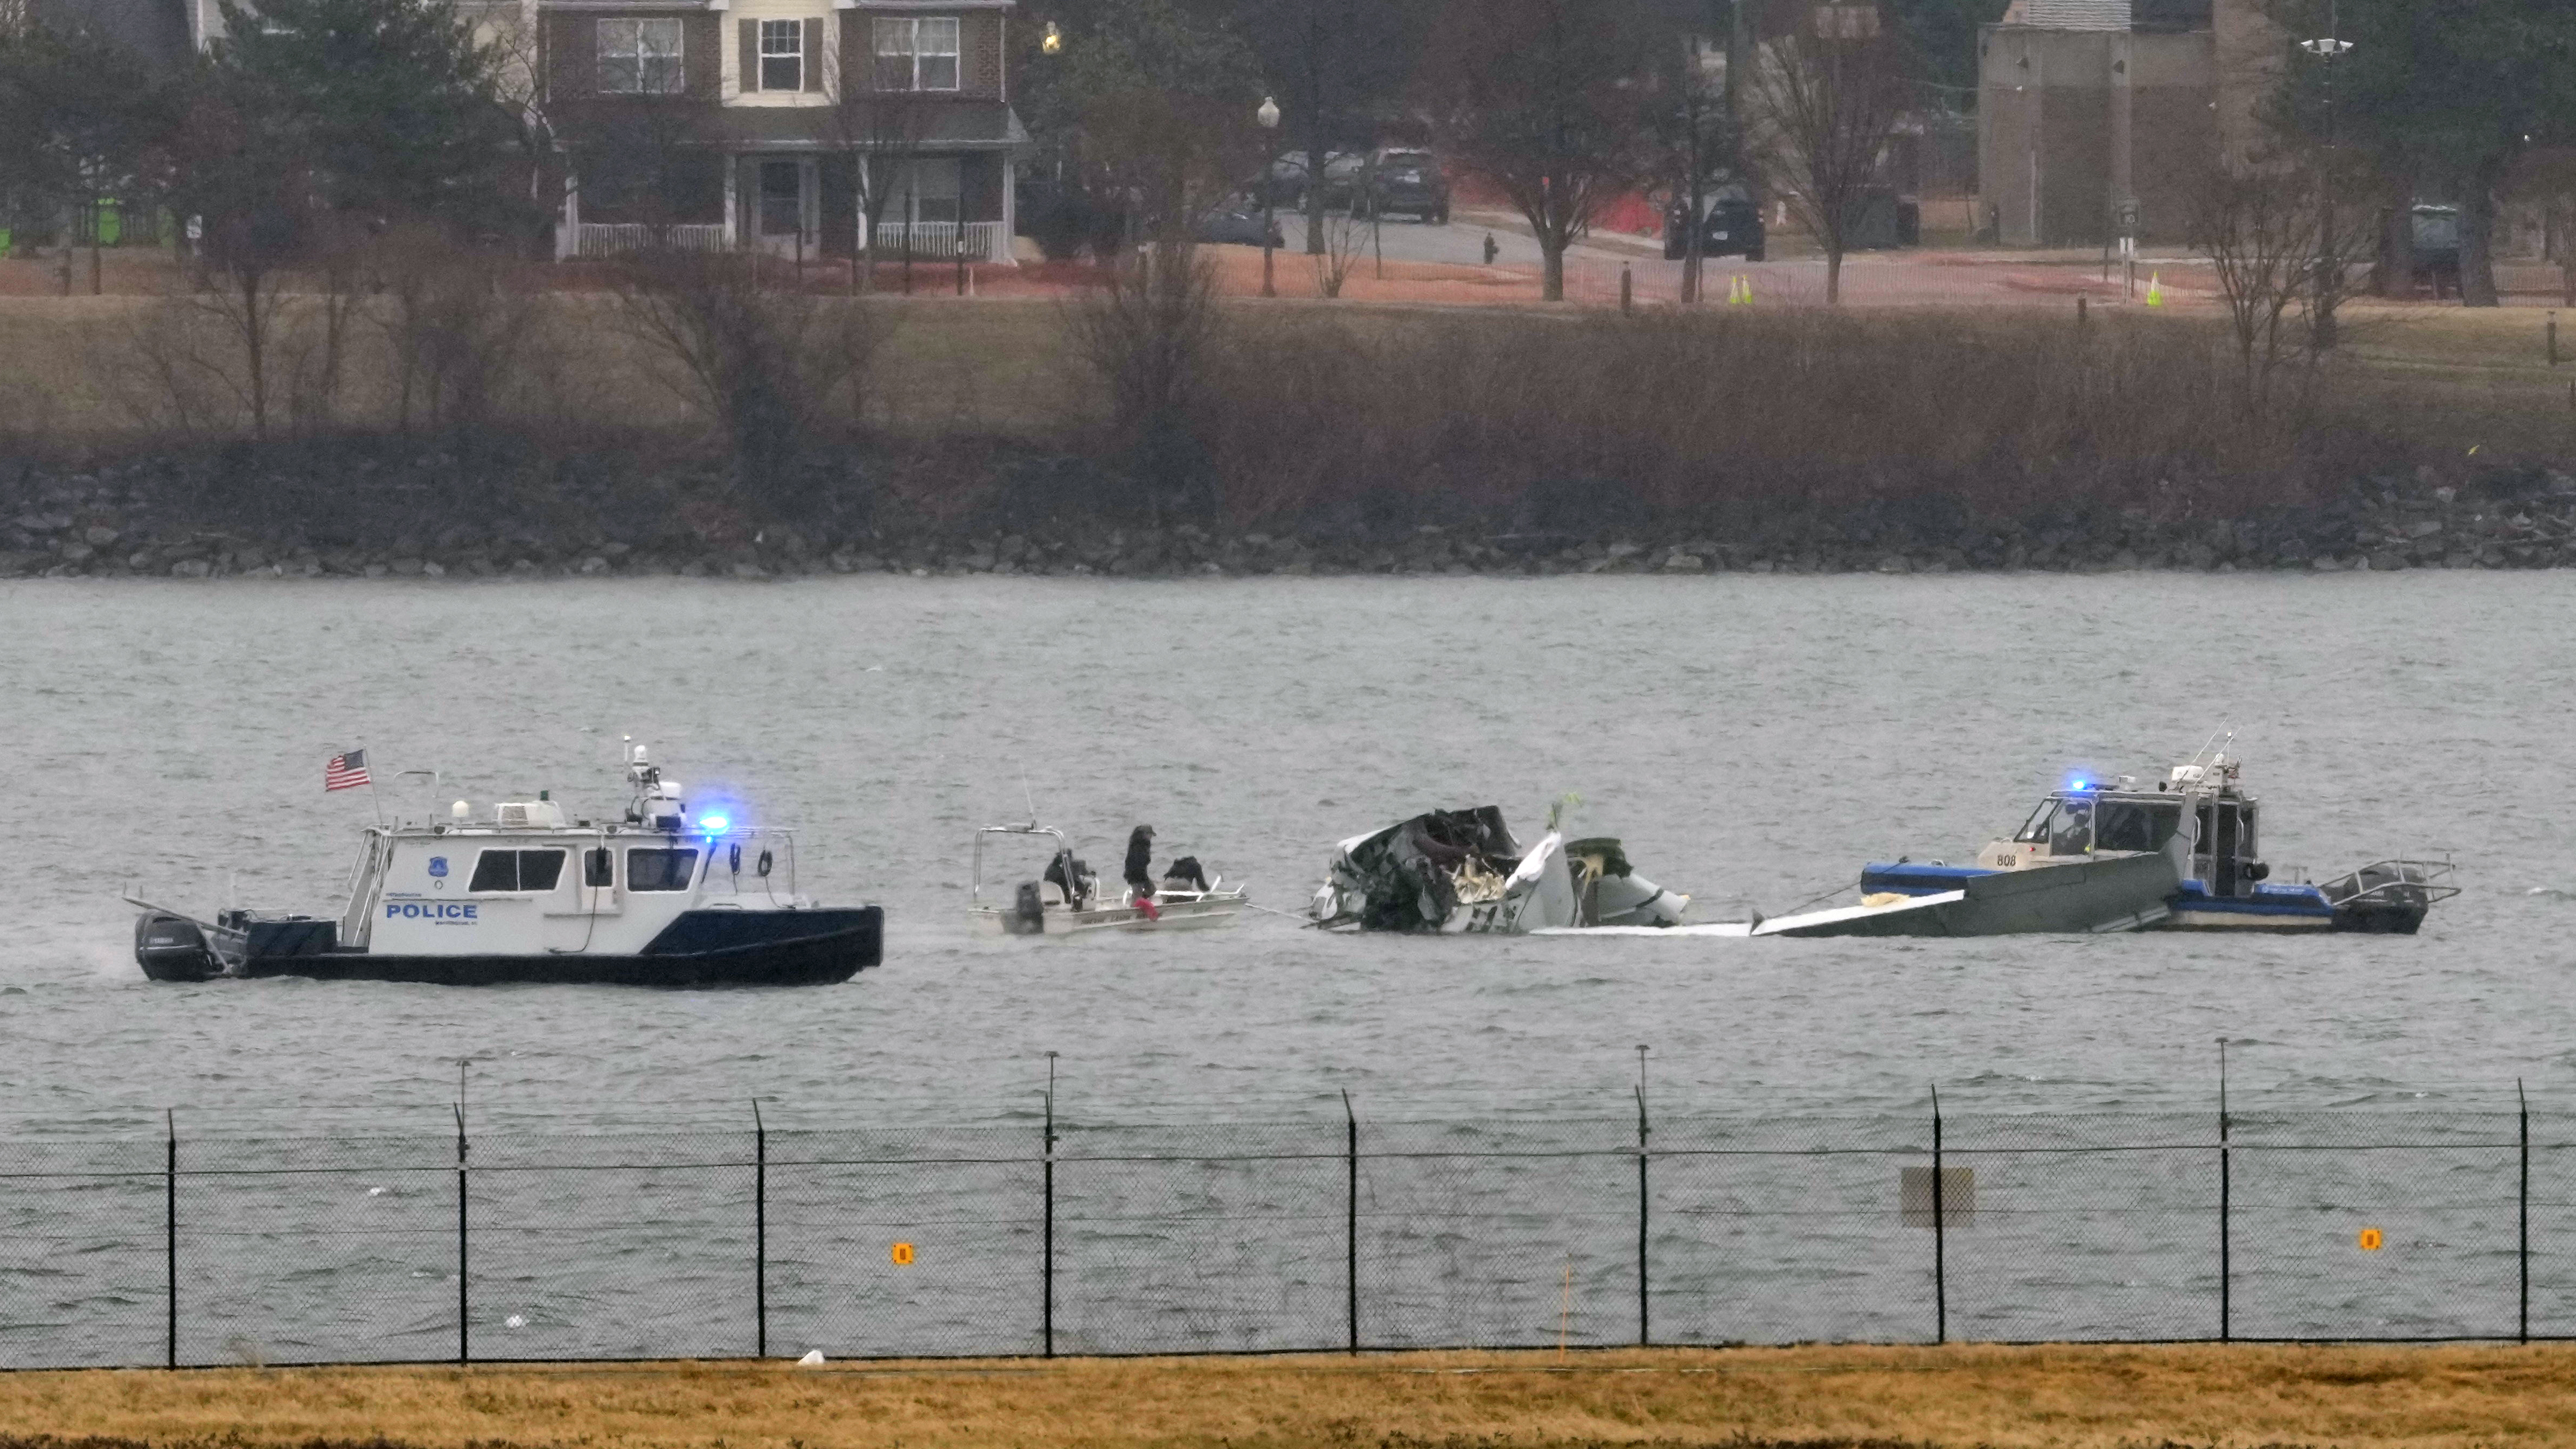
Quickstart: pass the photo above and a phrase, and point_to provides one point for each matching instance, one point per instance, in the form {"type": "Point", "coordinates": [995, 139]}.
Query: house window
{"type": "Point", "coordinates": [782, 55]}
{"type": "Point", "coordinates": [917, 54]}
{"type": "Point", "coordinates": [928, 191]}
{"type": "Point", "coordinates": [640, 57]}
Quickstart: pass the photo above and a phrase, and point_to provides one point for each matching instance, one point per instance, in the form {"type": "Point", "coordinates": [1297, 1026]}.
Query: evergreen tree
{"type": "Point", "coordinates": [395, 109]}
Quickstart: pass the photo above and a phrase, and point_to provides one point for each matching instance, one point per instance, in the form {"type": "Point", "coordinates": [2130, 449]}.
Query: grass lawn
{"type": "Point", "coordinates": [2354, 1397]}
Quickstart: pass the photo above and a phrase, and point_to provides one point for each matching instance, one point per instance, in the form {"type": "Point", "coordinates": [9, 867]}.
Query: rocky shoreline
{"type": "Point", "coordinates": [130, 521]}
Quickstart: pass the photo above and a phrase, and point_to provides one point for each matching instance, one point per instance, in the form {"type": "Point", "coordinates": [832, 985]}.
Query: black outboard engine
{"type": "Point", "coordinates": [1028, 912]}
{"type": "Point", "coordinates": [174, 948]}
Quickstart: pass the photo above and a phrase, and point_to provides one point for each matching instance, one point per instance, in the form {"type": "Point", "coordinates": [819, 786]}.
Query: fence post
{"type": "Point", "coordinates": [2226, 1172]}
{"type": "Point", "coordinates": [1046, 1299]}
{"type": "Point", "coordinates": [759, 1232]}
{"type": "Point", "coordinates": [170, 1230]}
{"type": "Point", "coordinates": [2522, 1321]}
{"type": "Point", "coordinates": [1940, 1235]}
{"type": "Point", "coordinates": [464, 1327]}
{"type": "Point", "coordinates": [1644, 1337]}
{"type": "Point", "coordinates": [1351, 1222]}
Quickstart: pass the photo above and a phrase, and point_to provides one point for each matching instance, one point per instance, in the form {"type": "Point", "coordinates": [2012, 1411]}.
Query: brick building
{"type": "Point", "coordinates": [2085, 104]}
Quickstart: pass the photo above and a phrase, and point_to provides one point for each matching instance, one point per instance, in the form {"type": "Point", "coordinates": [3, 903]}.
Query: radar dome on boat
{"type": "Point", "coordinates": [459, 811]}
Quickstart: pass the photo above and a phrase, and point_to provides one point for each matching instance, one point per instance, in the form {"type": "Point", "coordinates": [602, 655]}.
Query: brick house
{"type": "Point", "coordinates": [783, 124]}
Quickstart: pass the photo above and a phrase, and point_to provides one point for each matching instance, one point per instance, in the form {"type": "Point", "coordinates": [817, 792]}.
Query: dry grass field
{"type": "Point", "coordinates": [2352, 1397]}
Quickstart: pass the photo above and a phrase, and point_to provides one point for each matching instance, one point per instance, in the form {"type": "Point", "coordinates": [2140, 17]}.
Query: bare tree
{"type": "Point", "coordinates": [882, 127]}
{"type": "Point", "coordinates": [1547, 99]}
{"type": "Point", "coordinates": [760, 359]}
{"type": "Point", "coordinates": [2263, 228]}
{"type": "Point", "coordinates": [1148, 334]}
{"type": "Point", "coordinates": [1821, 104]}
{"type": "Point", "coordinates": [454, 330]}
{"type": "Point", "coordinates": [1343, 237]}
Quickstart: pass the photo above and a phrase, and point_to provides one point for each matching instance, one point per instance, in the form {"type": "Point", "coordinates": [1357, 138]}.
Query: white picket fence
{"type": "Point", "coordinates": [980, 240]}
{"type": "Point", "coordinates": [610, 239]}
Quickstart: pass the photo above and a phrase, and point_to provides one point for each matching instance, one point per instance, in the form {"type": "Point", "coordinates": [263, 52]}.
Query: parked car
{"type": "Point", "coordinates": [1341, 178]}
{"type": "Point", "coordinates": [1732, 228]}
{"type": "Point", "coordinates": [1237, 223]}
{"type": "Point", "coordinates": [1405, 181]}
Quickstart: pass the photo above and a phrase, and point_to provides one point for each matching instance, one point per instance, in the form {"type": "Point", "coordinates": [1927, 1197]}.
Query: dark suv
{"type": "Point", "coordinates": [1404, 181]}
{"type": "Point", "coordinates": [1733, 226]}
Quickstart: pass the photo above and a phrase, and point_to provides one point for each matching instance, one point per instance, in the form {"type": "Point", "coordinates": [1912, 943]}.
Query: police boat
{"type": "Point", "coordinates": [2201, 815]}
{"type": "Point", "coordinates": [660, 898]}
{"type": "Point", "coordinates": [1067, 900]}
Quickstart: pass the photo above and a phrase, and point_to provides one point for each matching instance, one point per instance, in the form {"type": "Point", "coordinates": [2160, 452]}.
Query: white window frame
{"type": "Point", "coordinates": [644, 61]}
{"type": "Point", "coordinates": [910, 40]}
{"type": "Point", "coordinates": [782, 40]}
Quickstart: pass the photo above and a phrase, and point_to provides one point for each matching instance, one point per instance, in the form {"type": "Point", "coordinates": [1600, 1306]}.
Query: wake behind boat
{"type": "Point", "coordinates": [660, 898]}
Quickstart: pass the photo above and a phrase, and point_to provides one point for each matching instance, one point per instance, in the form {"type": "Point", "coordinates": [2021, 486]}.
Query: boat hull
{"type": "Point", "coordinates": [698, 950]}
{"type": "Point", "coordinates": [1059, 923]}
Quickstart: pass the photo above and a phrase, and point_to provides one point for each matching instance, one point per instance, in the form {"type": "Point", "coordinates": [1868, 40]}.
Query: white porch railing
{"type": "Point", "coordinates": [609, 239]}
{"type": "Point", "coordinates": [979, 240]}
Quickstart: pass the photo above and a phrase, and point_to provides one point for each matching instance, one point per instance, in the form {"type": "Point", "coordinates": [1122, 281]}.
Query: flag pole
{"type": "Point", "coordinates": [372, 797]}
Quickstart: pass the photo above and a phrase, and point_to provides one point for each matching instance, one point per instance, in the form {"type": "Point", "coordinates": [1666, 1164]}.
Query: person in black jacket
{"type": "Point", "coordinates": [1140, 860]}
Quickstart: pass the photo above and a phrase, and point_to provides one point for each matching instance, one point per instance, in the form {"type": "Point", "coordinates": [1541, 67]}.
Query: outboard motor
{"type": "Point", "coordinates": [1028, 912]}
{"type": "Point", "coordinates": [173, 948]}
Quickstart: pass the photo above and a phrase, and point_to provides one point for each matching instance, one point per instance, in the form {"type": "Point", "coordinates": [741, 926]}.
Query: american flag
{"type": "Point", "coordinates": [346, 772]}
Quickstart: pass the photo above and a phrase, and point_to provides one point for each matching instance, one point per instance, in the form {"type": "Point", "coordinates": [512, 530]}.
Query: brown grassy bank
{"type": "Point", "coordinates": [2358, 1397]}
{"type": "Point", "coordinates": [1728, 439]}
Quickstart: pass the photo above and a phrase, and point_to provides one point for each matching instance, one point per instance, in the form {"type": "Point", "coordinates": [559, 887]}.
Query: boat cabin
{"type": "Point", "coordinates": [2087, 817]}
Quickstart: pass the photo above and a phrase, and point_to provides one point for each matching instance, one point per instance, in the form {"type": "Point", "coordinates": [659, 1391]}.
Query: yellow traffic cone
{"type": "Point", "coordinates": [2155, 289]}
{"type": "Point", "coordinates": [1734, 291]}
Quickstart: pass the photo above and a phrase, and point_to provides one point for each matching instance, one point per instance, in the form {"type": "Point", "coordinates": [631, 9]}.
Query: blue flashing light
{"type": "Point", "coordinates": [2080, 786]}
{"type": "Point", "coordinates": [714, 824]}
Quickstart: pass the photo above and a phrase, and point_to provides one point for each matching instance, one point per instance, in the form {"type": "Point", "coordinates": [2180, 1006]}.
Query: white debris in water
{"type": "Point", "coordinates": [375, 1192]}
{"type": "Point", "coordinates": [514, 1321]}
{"type": "Point", "coordinates": [813, 1359]}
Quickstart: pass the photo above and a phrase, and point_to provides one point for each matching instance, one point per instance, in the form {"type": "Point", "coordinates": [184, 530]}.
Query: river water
{"type": "Point", "coordinates": [1752, 739]}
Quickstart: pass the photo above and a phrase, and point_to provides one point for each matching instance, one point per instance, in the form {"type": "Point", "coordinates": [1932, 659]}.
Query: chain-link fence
{"type": "Point", "coordinates": [1061, 1237]}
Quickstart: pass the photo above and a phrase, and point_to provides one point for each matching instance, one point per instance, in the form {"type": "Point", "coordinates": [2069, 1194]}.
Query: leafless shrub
{"type": "Point", "coordinates": [456, 328]}
{"type": "Point", "coordinates": [760, 360]}
{"type": "Point", "coordinates": [1148, 334]}
{"type": "Point", "coordinates": [1344, 237]}
{"type": "Point", "coordinates": [2008, 412]}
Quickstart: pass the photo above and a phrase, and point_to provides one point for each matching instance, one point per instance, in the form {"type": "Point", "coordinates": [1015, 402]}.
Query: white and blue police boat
{"type": "Point", "coordinates": [662, 897]}
{"type": "Point", "coordinates": [2201, 816]}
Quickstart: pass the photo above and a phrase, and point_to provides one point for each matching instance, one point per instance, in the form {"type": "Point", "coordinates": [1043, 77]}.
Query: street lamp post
{"type": "Point", "coordinates": [2328, 281]}
{"type": "Point", "coordinates": [1268, 116]}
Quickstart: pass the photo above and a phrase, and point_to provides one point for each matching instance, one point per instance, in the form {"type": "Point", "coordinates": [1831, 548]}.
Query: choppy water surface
{"type": "Point", "coordinates": [1752, 739]}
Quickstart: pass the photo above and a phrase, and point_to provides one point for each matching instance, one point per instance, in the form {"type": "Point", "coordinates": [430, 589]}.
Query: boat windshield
{"type": "Point", "coordinates": [2070, 831]}
{"type": "Point", "coordinates": [2035, 829]}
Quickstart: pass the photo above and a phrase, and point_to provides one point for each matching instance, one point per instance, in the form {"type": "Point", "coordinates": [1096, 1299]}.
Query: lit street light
{"type": "Point", "coordinates": [1054, 42]}
{"type": "Point", "coordinates": [1268, 116]}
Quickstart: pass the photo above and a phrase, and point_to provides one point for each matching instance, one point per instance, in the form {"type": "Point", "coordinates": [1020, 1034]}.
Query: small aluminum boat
{"type": "Point", "coordinates": [1067, 900]}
